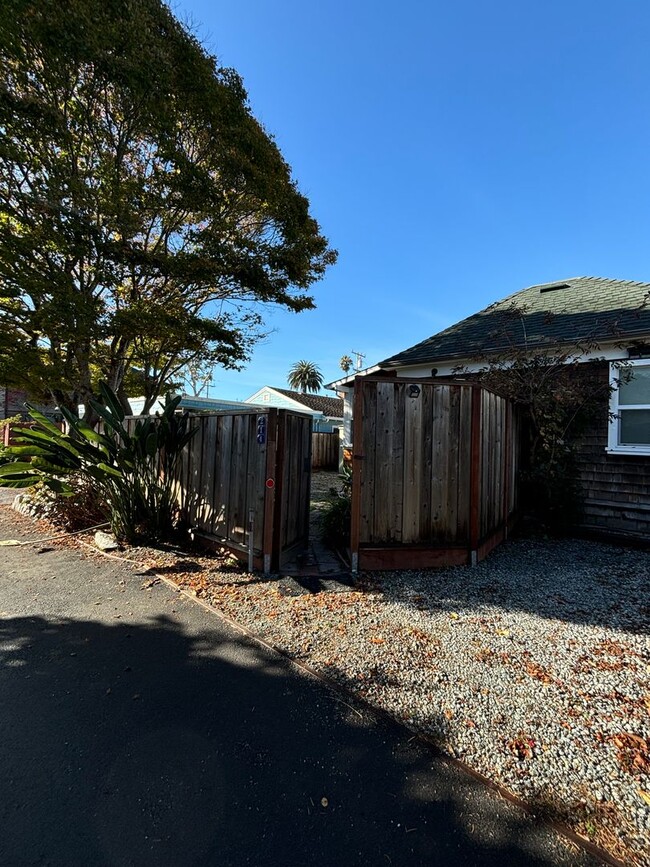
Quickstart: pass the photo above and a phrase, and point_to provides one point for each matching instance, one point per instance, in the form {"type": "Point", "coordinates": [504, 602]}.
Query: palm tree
{"type": "Point", "coordinates": [305, 376]}
{"type": "Point", "coordinates": [346, 363]}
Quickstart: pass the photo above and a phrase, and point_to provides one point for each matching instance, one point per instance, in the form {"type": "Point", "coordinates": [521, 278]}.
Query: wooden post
{"type": "Point", "coordinates": [357, 470]}
{"type": "Point", "coordinates": [475, 476]}
{"type": "Point", "coordinates": [270, 492]}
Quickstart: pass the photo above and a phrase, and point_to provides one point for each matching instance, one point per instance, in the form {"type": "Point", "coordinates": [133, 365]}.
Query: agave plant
{"type": "Point", "coordinates": [134, 470]}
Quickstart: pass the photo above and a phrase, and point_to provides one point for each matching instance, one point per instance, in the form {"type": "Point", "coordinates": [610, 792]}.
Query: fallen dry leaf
{"type": "Point", "coordinates": [644, 795]}
{"type": "Point", "coordinates": [633, 752]}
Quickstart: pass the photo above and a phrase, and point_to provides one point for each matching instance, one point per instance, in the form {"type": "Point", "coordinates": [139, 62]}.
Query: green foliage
{"type": "Point", "coordinates": [305, 376]}
{"type": "Point", "coordinates": [84, 507]}
{"type": "Point", "coordinates": [558, 400]}
{"type": "Point", "coordinates": [345, 363]}
{"type": "Point", "coordinates": [133, 471]}
{"type": "Point", "coordinates": [335, 521]}
{"type": "Point", "coordinates": [146, 217]}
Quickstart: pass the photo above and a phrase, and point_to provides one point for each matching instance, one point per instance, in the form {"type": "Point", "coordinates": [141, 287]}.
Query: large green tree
{"type": "Point", "coordinates": [305, 376]}
{"type": "Point", "coordinates": [146, 218]}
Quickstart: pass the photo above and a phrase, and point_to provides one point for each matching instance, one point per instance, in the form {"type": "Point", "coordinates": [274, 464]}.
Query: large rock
{"type": "Point", "coordinates": [105, 542]}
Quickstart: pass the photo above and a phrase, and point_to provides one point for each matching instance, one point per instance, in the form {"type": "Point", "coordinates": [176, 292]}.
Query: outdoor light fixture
{"type": "Point", "coordinates": [414, 390]}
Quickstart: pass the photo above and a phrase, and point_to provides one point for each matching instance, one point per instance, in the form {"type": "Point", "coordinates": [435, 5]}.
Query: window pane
{"type": "Point", "coordinates": [637, 389]}
{"type": "Point", "coordinates": [635, 427]}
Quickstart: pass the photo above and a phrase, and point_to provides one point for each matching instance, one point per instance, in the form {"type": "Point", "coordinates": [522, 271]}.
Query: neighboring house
{"type": "Point", "coordinates": [192, 403]}
{"type": "Point", "coordinates": [327, 412]}
{"type": "Point", "coordinates": [13, 400]}
{"type": "Point", "coordinates": [608, 324]}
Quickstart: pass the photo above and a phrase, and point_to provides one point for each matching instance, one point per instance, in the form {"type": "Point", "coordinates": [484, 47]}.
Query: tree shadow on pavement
{"type": "Point", "coordinates": [148, 744]}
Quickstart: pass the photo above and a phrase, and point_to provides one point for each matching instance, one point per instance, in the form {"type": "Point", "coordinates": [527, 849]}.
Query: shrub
{"type": "Point", "coordinates": [132, 472]}
{"type": "Point", "coordinates": [335, 522]}
{"type": "Point", "coordinates": [84, 507]}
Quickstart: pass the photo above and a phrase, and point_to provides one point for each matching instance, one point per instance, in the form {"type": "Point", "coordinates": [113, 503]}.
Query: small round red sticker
{"type": "Point", "coordinates": [270, 483]}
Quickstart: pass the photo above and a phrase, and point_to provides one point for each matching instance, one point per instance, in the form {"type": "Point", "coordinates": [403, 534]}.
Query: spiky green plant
{"type": "Point", "coordinates": [133, 470]}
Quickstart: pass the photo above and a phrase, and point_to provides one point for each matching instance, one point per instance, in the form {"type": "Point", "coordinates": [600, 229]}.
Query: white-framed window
{"type": "Point", "coordinates": [629, 425]}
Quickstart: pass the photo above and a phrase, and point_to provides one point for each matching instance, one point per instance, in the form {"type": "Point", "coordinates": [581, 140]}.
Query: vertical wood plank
{"type": "Point", "coordinates": [384, 449]}
{"type": "Point", "coordinates": [426, 463]}
{"type": "Point", "coordinates": [475, 472]}
{"type": "Point", "coordinates": [194, 481]}
{"type": "Point", "coordinates": [396, 499]}
{"type": "Point", "coordinates": [464, 464]}
{"type": "Point", "coordinates": [365, 448]}
{"type": "Point", "coordinates": [412, 470]}
{"type": "Point", "coordinates": [453, 449]}
{"type": "Point", "coordinates": [237, 517]}
{"type": "Point", "coordinates": [207, 473]}
{"type": "Point", "coordinates": [270, 492]}
{"type": "Point", "coordinates": [221, 519]}
{"type": "Point", "coordinates": [279, 488]}
{"type": "Point", "coordinates": [357, 474]}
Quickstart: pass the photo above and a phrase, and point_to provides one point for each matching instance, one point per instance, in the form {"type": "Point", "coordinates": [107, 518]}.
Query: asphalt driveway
{"type": "Point", "coordinates": [136, 728]}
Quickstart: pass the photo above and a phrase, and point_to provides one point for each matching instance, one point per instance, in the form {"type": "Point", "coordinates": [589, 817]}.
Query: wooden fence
{"type": "Point", "coordinates": [325, 451]}
{"type": "Point", "coordinates": [244, 483]}
{"type": "Point", "coordinates": [434, 469]}
{"type": "Point", "coordinates": [9, 432]}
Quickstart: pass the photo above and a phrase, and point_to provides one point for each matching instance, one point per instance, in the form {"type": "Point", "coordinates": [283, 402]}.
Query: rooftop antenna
{"type": "Point", "coordinates": [359, 356]}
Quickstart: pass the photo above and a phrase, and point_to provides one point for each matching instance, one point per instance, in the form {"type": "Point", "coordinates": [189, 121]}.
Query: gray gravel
{"type": "Point", "coordinates": [533, 667]}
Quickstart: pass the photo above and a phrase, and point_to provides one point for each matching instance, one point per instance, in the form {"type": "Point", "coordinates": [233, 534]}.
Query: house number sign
{"type": "Point", "coordinates": [261, 429]}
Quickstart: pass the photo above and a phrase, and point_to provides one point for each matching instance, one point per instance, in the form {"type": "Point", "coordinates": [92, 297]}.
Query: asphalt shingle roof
{"type": "Point", "coordinates": [331, 407]}
{"type": "Point", "coordinates": [581, 310]}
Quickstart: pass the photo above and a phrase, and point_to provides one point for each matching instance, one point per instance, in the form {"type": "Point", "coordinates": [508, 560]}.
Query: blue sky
{"type": "Point", "coordinates": [453, 152]}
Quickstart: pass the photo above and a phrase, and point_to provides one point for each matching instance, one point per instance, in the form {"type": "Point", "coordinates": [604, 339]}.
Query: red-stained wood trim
{"type": "Point", "coordinates": [411, 557]}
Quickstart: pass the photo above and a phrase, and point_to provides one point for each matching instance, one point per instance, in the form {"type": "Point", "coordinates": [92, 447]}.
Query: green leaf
{"type": "Point", "coordinates": [26, 451]}
{"type": "Point", "coordinates": [111, 471]}
{"type": "Point", "coordinates": [16, 467]}
{"type": "Point", "coordinates": [59, 487]}
{"type": "Point", "coordinates": [110, 420]}
{"type": "Point", "coordinates": [25, 482]}
{"type": "Point", "coordinates": [56, 468]}
{"type": "Point", "coordinates": [151, 444]}
{"type": "Point", "coordinates": [43, 421]}
{"type": "Point", "coordinates": [111, 401]}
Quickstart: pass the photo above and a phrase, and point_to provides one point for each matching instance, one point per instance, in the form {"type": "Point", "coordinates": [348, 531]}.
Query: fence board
{"type": "Point", "coordinates": [325, 451]}
{"type": "Point", "coordinates": [412, 481]}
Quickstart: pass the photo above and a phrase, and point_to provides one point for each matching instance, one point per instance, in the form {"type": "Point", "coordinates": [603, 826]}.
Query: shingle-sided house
{"type": "Point", "coordinates": [607, 323]}
{"type": "Point", "coordinates": [326, 412]}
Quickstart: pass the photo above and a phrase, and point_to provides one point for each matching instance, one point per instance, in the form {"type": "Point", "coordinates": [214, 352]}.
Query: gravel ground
{"type": "Point", "coordinates": [533, 667]}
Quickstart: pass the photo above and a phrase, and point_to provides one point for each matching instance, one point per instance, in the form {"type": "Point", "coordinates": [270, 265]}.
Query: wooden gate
{"type": "Point", "coordinates": [244, 483]}
{"type": "Point", "coordinates": [434, 470]}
